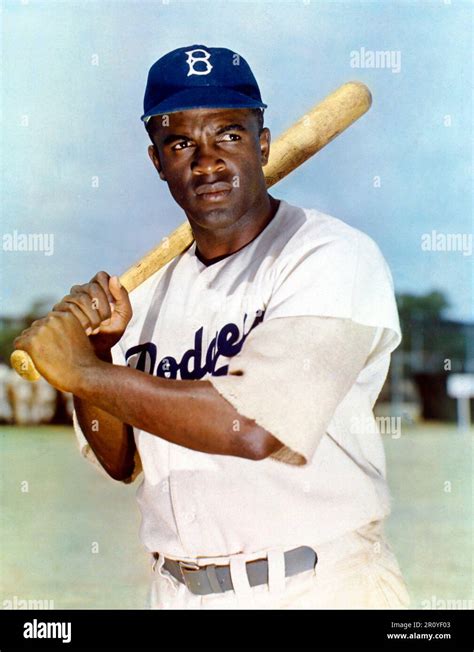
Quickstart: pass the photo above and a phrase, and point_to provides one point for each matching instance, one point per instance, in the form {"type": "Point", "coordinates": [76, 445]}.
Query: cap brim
{"type": "Point", "coordinates": [204, 97]}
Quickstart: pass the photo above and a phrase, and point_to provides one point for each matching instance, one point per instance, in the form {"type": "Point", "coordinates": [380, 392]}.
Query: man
{"type": "Point", "coordinates": [242, 375]}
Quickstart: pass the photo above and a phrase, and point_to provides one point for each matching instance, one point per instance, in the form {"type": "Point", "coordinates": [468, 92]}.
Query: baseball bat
{"type": "Point", "coordinates": [303, 139]}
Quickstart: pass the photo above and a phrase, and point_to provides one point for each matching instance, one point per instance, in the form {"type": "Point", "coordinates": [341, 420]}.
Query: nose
{"type": "Point", "coordinates": [206, 161]}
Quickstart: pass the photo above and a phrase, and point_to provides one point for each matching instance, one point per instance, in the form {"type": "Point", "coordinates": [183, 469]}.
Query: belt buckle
{"type": "Point", "coordinates": [188, 566]}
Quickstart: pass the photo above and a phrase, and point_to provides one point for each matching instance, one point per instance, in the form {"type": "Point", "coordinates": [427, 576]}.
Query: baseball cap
{"type": "Point", "coordinates": [197, 77]}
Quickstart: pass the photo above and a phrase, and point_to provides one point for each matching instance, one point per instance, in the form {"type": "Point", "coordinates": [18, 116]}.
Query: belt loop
{"type": "Point", "coordinates": [240, 580]}
{"type": "Point", "coordinates": [157, 559]}
{"type": "Point", "coordinates": [276, 571]}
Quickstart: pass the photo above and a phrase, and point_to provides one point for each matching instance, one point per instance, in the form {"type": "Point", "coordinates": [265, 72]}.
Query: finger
{"type": "Point", "coordinates": [93, 301]}
{"type": "Point", "coordinates": [98, 289]}
{"type": "Point", "coordinates": [102, 278]}
{"type": "Point", "coordinates": [80, 315]}
{"type": "Point", "coordinates": [84, 301]}
{"type": "Point", "coordinates": [18, 342]}
{"type": "Point", "coordinates": [33, 328]}
{"type": "Point", "coordinates": [37, 323]}
{"type": "Point", "coordinates": [23, 340]}
{"type": "Point", "coordinates": [100, 300]}
{"type": "Point", "coordinates": [121, 297]}
{"type": "Point", "coordinates": [98, 296]}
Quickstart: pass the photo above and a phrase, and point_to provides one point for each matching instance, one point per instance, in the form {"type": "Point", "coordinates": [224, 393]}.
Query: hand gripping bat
{"type": "Point", "coordinates": [304, 138]}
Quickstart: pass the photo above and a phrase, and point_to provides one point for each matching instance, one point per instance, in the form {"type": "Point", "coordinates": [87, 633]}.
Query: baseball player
{"type": "Point", "coordinates": [240, 378]}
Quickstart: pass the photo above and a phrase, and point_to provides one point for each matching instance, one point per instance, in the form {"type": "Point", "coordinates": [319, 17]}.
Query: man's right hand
{"type": "Point", "coordinates": [103, 308]}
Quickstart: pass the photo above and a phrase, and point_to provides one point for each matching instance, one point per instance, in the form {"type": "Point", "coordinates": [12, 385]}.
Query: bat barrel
{"type": "Point", "coordinates": [316, 129]}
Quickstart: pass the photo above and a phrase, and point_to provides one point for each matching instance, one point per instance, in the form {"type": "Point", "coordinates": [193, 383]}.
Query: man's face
{"type": "Point", "coordinates": [212, 161]}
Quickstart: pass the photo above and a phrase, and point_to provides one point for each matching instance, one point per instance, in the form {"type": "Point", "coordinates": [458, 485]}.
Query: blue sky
{"type": "Point", "coordinates": [83, 122]}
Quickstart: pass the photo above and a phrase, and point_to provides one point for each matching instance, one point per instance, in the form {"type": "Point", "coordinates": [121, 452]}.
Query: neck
{"type": "Point", "coordinates": [219, 243]}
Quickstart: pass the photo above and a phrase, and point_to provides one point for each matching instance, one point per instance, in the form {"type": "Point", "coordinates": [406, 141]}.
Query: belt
{"type": "Point", "coordinates": [203, 580]}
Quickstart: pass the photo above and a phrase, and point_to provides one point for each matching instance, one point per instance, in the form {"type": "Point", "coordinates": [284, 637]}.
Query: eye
{"type": "Point", "coordinates": [183, 144]}
{"type": "Point", "coordinates": [230, 138]}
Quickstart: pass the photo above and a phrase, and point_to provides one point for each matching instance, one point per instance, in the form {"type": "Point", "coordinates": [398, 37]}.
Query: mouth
{"type": "Point", "coordinates": [213, 191]}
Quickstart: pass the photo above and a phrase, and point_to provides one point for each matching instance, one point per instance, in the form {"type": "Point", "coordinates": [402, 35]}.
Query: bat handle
{"type": "Point", "coordinates": [24, 365]}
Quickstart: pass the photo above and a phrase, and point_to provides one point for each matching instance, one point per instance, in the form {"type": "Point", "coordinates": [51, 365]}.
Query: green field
{"type": "Point", "coordinates": [71, 536]}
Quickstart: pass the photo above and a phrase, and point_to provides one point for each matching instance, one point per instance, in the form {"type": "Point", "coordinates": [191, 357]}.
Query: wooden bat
{"type": "Point", "coordinates": [303, 139]}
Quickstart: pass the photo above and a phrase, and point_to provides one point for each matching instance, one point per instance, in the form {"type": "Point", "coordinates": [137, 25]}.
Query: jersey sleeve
{"type": "Point", "coordinates": [330, 315]}
{"type": "Point", "coordinates": [345, 277]}
{"type": "Point", "coordinates": [291, 375]}
{"type": "Point", "coordinates": [85, 448]}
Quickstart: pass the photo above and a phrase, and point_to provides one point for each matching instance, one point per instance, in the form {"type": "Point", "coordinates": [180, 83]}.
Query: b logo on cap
{"type": "Point", "coordinates": [192, 60]}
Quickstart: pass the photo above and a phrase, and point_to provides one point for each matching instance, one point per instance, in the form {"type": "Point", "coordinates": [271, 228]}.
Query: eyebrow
{"type": "Point", "coordinates": [232, 127]}
{"type": "Point", "coordinates": [172, 137]}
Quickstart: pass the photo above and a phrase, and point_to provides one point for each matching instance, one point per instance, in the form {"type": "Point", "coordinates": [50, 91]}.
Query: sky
{"type": "Point", "coordinates": [75, 163]}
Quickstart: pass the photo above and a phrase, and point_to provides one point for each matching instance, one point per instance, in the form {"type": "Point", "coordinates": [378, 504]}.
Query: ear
{"type": "Point", "coordinates": [155, 159]}
{"type": "Point", "coordinates": [265, 138]}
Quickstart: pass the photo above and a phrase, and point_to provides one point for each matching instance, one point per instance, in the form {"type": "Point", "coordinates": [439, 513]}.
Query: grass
{"type": "Point", "coordinates": [71, 536]}
{"type": "Point", "coordinates": [431, 525]}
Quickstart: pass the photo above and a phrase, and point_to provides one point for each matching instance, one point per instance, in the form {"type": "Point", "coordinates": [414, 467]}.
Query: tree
{"type": "Point", "coordinates": [426, 307]}
{"type": "Point", "coordinates": [429, 337]}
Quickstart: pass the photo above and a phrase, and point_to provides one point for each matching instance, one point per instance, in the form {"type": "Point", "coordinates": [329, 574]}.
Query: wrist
{"type": "Point", "coordinates": [87, 378]}
{"type": "Point", "coordinates": [103, 344]}
{"type": "Point", "coordinates": [104, 354]}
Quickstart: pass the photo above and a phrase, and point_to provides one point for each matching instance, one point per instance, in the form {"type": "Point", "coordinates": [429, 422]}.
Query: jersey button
{"type": "Point", "coordinates": [189, 517]}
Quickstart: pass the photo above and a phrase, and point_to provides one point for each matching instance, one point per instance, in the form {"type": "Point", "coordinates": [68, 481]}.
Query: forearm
{"type": "Point", "coordinates": [188, 413]}
{"type": "Point", "coordinates": [111, 440]}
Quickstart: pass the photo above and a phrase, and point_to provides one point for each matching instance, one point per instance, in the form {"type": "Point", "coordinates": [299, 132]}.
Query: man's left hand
{"type": "Point", "coordinates": [60, 349]}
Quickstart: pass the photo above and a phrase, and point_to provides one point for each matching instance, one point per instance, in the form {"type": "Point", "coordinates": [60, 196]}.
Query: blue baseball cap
{"type": "Point", "coordinates": [198, 77]}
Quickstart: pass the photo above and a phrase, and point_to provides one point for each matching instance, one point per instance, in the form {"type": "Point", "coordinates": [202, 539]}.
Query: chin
{"type": "Point", "coordinates": [208, 216]}
{"type": "Point", "coordinates": [214, 218]}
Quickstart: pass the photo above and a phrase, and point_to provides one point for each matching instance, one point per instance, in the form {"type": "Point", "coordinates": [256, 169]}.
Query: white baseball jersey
{"type": "Point", "coordinates": [276, 328]}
